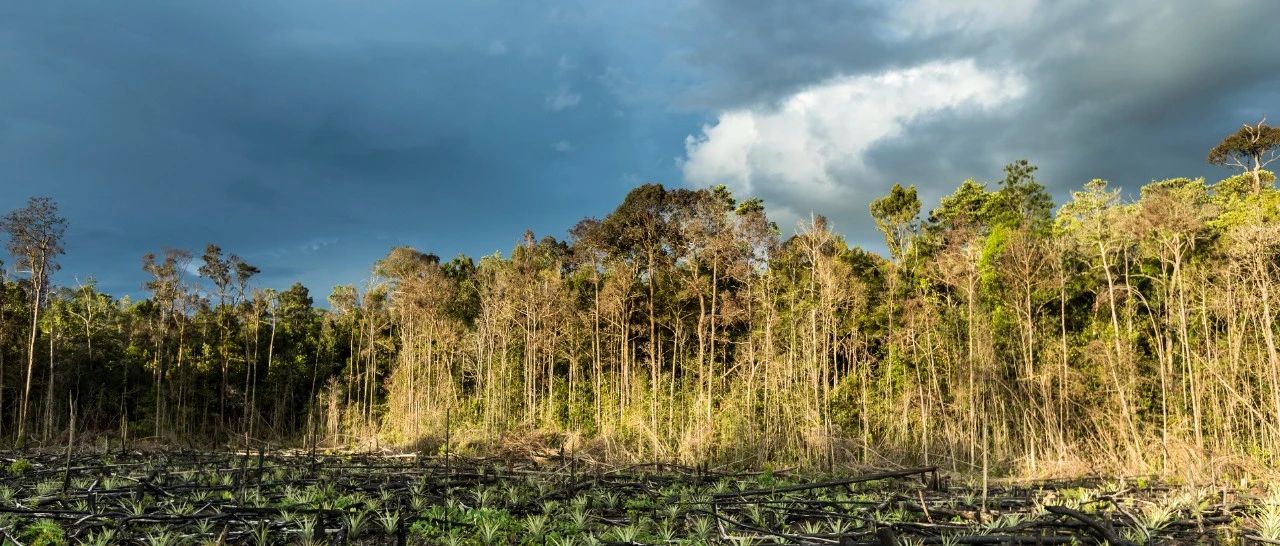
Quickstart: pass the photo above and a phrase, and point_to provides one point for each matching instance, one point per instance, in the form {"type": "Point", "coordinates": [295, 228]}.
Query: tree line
{"type": "Point", "coordinates": [997, 328]}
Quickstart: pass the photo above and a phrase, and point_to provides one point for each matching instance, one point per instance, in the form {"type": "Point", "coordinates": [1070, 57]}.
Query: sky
{"type": "Point", "coordinates": [310, 137]}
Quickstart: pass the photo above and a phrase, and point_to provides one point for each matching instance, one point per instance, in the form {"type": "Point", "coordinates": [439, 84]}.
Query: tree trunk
{"type": "Point", "coordinates": [37, 279]}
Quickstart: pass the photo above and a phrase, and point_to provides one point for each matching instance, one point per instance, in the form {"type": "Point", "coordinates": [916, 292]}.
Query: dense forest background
{"type": "Point", "coordinates": [998, 329]}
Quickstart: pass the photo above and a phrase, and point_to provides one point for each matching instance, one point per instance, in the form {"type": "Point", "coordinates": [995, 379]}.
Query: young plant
{"type": "Point", "coordinates": [100, 537]}
{"type": "Point", "coordinates": [701, 527]}
{"type": "Point", "coordinates": [355, 522]}
{"type": "Point", "coordinates": [626, 534]}
{"type": "Point", "coordinates": [160, 538]}
{"type": "Point", "coordinates": [44, 532]}
{"type": "Point", "coordinates": [19, 467]}
{"type": "Point", "coordinates": [489, 531]}
{"type": "Point", "coordinates": [536, 525]}
{"type": "Point", "coordinates": [1267, 520]}
{"type": "Point", "coordinates": [262, 534]}
{"type": "Point", "coordinates": [390, 520]}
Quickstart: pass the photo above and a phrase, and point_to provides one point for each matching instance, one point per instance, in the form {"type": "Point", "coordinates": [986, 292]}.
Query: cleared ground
{"type": "Point", "coordinates": [185, 497]}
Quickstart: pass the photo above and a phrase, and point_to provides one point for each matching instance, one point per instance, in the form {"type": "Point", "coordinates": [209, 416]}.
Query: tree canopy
{"type": "Point", "coordinates": [683, 325]}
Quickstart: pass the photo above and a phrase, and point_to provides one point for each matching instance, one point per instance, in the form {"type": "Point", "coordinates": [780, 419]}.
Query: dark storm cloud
{"type": "Point", "coordinates": [309, 137]}
{"type": "Point", "coordinates": [758, 50]}
{"type": "Point", "coordinates": [1129, 91]}
{"type": "Point", "coordinates": [253, 192]}
{"type": "Point", "coordinates": [1149, 89]}
{"type": "Point", "coordinates": [268, 126]}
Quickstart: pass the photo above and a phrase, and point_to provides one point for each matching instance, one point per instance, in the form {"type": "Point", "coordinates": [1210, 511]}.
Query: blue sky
{"type": "Point", "coordinates": [310, 137]}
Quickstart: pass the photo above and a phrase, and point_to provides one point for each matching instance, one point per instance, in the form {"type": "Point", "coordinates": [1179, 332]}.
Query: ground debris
{"type": "Point", "coordinates": [295, 497]}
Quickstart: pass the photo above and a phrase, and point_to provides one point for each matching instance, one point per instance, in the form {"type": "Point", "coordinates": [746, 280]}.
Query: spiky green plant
{"type": "Point", "coordinates": [489, 530]}
{"type": "Point", "coordinates": [1158, 515]}
{"type": "Point", "coordinates": [135, 507]}
{"type": "Point", "coordinates": [355, 522]}
{"type": "Point", "coordinates": [483, 497]}
{"type": "Point", "coordinates": [611, 498]}
{"type": "Point", "coordinates": [1267, 519]}
{"type": "Point", "coordinates": [754, 514]}
{"type": "Point", "coordinates": [204, 526]}
{"type": "Point", "coordinates": [667, 530]}
{"type": "Point", "coordinates": [417, 488]}
{"type": "Point", "coordinates": [181, 508]}
{"type": "Point", "coordinates": [839, 526]}
{"type": "Point", "coordinates": [536, 525]}
{"type": "Point", "coordinates": [626, 534]}
{"type": "Point", "coordinates": [810, 527]}
{"type": "Point", "coordinates": [1005, 521]}
{"type": "Point", "coordinates": [100, 537]}
{"type": "Point", "coordinates": [390, 520]}
{"type": "Point", "coordinates": [454, 538]}
{"type": "Point", "coordinates": [578, 517]}
{"type": "Point", "coordinates": [262, 534]}
{"type": "Point", "coordinates": [701, 527]}
{"type": "Point", "coordinates": [671, 511]}
{"type": "Point", "coordinates": [160, 538]}
{"type": "Point", "coordinates": [307, 525]}
{"type": "Point", "coordinates": [48, 487]}
{"type": "Point", "coordinates": [1135, 535]}
{"type": "Point", "coordinates": [513, 493]}
{"type": "Point", "coordinates": [557, 540]}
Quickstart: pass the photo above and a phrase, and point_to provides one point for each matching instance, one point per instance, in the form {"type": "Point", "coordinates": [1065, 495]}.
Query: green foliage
{"type": "Point", "coordinates": [1250, 142]}
{"type": "Point", "coordinates": [19, 467]}
{"type": "Point", "coordinates": [989, 262]}
{"type": "Point", "coordinates": [44, 532]}
{"type": "Point", "coordinates": [1021, 199]}
{"type": "Point", "coordinates": [682, 326]}
{"type": "Point", "coordinates": [896, 215]}
{"type": "Point", "coordinates": [1239, 186]}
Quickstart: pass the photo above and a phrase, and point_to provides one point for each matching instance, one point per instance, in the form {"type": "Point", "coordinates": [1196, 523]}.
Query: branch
{"type": "Point", "coordinates": [1095, 528]}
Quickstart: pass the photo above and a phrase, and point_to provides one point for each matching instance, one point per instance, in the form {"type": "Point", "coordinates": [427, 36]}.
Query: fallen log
{"type": "Point", "coordinates": [1098, 530]}
{"type": "Point", "coordinates": [905, 473]}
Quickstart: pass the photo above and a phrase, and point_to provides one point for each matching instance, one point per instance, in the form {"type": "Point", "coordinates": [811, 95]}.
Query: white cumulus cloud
{"type": "Point", "coordinates": [809, 150]}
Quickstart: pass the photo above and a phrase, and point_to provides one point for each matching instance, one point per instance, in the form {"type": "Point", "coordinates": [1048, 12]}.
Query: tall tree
{"type": "Point", "coordinates": [35, 240]}
{"type": "Point", "coordinates": [641, 230]}
{"type": "Point", "coordinates": [219, 272]}
{"type": "Point", "coordinates": [170, 296]}
{"type": "Point", "coordinates": [896, 217]}
{"type": "Point", "coordinates": [1249, 149]}
{"type": "Point", "coordinates": [1021, 199]}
